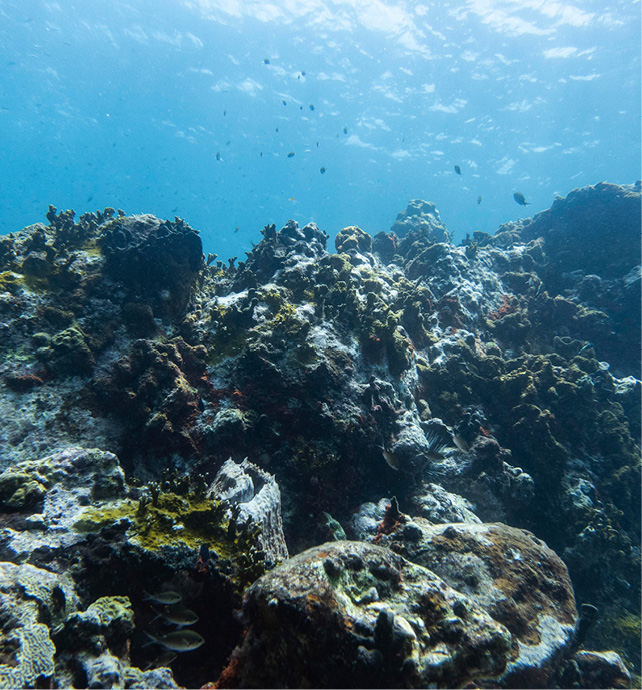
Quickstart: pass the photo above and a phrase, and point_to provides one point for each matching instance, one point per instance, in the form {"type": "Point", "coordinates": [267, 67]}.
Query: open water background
{"type": "Point", "coordinates": [191, 107]}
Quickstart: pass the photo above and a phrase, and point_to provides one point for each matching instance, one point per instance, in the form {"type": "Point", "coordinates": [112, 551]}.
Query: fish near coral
{"type": "Point", "coordinates": [179, 641]}
{"type": "Point", "coordinates": [163, 598]}
{"type": "Point", "coordinates": [177, 615]}
{"type": "Point", "coordinates": [519, 198]}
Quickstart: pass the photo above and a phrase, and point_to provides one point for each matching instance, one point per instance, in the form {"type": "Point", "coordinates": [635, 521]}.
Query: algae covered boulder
{"type": "Point", "coordinates": [349, 614]}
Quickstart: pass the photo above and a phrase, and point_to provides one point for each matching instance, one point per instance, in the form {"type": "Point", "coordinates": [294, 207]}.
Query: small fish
{"type": "Point", "coordinates": [290, 154]}
{"type": "Point", "coordinates": [460, 443]}
{"type": "Point", "coordinates": [311, 106]}
{"type": "Point", "coordinates": [284, 102]}
{"type": "Point", "coordinates": [218, 155]}
{"type": "Point", "coordinates": [291, 198]}
{"type": "Point", "coordinates": [302, 74]}
{"type": "Point", "coordinates": [519, 198]}
{"type": "Point", "coordinates": [179, 641]}
{"type": "Point", "coordinates": [224, 113]}
{"type": "Point", "coordinates": [163, 598]}
{"type": "Point", "coordinates": [163, 659]}
{"type": "Point", "coordinates": [322, 169]}
{"type": "Point", "coordinates": [178, 615]}
{"type": "Point", "coordinates": [266, 61]}
{"type": "Point", "coordinates": [458, 170]}
{"type": "Point", "coordinates": [277, 129]}
{"type": "Point", "coordinates": [391, 458]}
{"type": "Point", "coordinates": [478, 200]}
{"type": "Point", "coordinates": [317, 144]}
{"type": "Point", "coordinates": [237, 228]}
{"type": "Point", "coordinates": [345, 130]}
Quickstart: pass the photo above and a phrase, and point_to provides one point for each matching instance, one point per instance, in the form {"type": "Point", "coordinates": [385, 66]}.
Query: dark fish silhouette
{"type": "Point", "coordinates": [218, 155]}
{"type": "Point", "coordinates": [478, 200]}
{"type": "Point", "coordinates": [311, 106]}
{"type": "Point", "coordinates": [164, 659]}
{"type": "Point", "coordinates": [345, 130]}
{"type": "Point", "coordinates": [164, 598]}
{"type": "Point", "coordinates": [290, 154]}
{"type": "Point", "coordinates": [266, 61]}
{"type": "Point", "coordinates": [458, 170]}
{"type": "Point", "coordinates": [322, 170]}
{"type": "Point", "coordinates": [519, 198]}
{"type": "Point", "coordinates": [284, 102]}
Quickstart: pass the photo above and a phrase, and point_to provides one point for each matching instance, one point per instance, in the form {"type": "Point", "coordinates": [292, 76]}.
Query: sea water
{"type": "Point", "coordinates": [237, 113]}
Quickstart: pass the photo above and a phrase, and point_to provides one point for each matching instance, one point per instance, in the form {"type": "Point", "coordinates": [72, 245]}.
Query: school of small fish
{"type": "Point", "coordinates": [175, 641]}
{"type": "Point", "coordinates": [517, 196]}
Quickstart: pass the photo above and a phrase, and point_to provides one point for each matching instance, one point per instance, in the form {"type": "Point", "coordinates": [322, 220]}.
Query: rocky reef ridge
{"type": "Point", "coordinates": [416, 459]}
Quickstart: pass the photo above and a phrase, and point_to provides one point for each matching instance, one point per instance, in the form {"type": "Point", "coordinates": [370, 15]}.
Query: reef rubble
{"type": "Point", "coordinates": [418, 460]}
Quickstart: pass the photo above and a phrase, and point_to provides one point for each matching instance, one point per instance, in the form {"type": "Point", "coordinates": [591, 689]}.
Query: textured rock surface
{"type": "Point", "coordinates": [421, 216]}
{"type": "Point", "coordinates": [513, 576]}
{"type": "Point", "coordinates": [349, 614]}
{"type": "Point", "coordinates": [49, 495]}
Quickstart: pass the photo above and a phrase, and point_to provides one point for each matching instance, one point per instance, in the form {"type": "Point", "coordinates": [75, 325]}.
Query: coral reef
{"type": "Point", "coordinates": [493, 382]}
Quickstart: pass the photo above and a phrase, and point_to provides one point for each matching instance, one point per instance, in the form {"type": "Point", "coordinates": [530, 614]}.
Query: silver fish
{"type": "Point", "coordinates": [178, 615]}
{"type": "Point", "coordinates": [179, 641]}
{"type": "Point", "coordinates": [163, 598]}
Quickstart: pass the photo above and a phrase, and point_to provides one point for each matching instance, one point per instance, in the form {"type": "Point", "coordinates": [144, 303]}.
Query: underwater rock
{"type": "Point", "coordinates": [439, 506]}
{"type": "Point", "coordinates": [348, 614]}
{"type": "Point", "coordinates": [604, 220]}
{"type": "Point", "coordinates": [367, 518]}
{"type": "Point", "coordinates": [50, 494]}
{"type": "Point", "coordinates": [155, 389]}
{"type": "Point", "coordinates": [150, 256]}
{"type": "Point", "coordinates": [511, 575]}
{"type": "Point", "coordinates": [353, 238]}
{"type": "Point", "coordinates": [596, 670]}
{"type": "Point", "coordinates": [423, 218]}
{"type": "Point", "coordinates": [31, 602]}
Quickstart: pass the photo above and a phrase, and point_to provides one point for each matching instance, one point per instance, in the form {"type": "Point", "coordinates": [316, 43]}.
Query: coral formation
{"type": "Point", "coordinates": [493, 382]}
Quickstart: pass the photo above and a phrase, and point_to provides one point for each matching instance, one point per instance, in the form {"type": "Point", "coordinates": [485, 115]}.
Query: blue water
{"type": "Point", "coordinates": [175, 107]}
